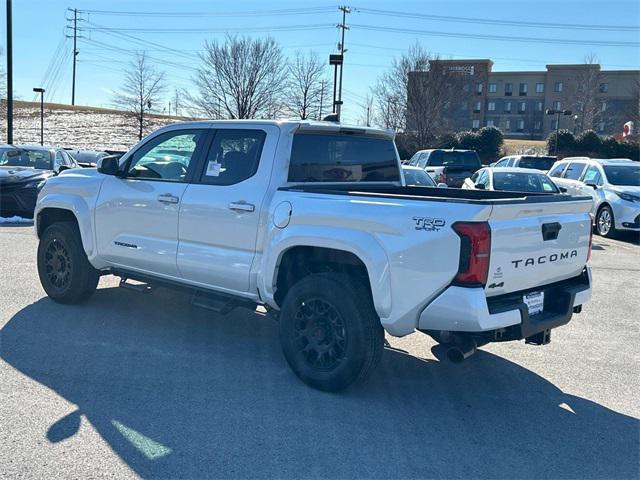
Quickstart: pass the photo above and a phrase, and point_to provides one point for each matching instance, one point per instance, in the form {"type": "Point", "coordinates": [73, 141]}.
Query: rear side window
{"type": "Point", "coordinates": [342, 158]}
{"type": "Point", "coordinates": [557, 170]}
{"type": "Point", "coordinates": [441, 158]}
{"type": "Point", "coordinates": [539, 163]}
{"type": "Point", "coordinates": [574, 170]}
{"type": "Point", "coordinates": [234, 156]}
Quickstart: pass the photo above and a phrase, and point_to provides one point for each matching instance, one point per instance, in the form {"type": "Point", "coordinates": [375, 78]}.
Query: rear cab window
{"type": "Point", "coordinates": [318, 157]}
{"type": "Point", "coordinates": [538, 163]}
{"type": "Point", "coordinates": [444, 158]}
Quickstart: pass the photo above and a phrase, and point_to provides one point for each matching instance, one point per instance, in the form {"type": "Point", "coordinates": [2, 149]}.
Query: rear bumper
{"type": "Point", "coordinates": [505, 317]}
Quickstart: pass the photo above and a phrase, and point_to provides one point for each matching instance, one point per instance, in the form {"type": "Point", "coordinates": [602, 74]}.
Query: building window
{"type": "Point", "coordinates": [537, 125]}
{"type": "Point", "coordinates": [493, 88]}
{"type": "Point", "coordinates": [601, 127]}
{"type": "Point", "coordinates": [491, 106]}
{"type": "Point", "coordinates": [477, 106]}
{"type": "Point", "coordinates": [604, 87]}
{"type": "Point", "coordinates": [478, 89]}
{"type": "Point", "coordinates": [556, 105]}
{"type": "Point", "coordinates": [507, 107]}
{"type": "Point", "coordinates": [557, 87]}
{"type": "Point", "coordinates": [476, 124]}
{"type": "Point", "coordinates": [508, 89]}
{"type": "Point", "coordinates": [539, 106]}
{"type": "Point", "coordinates": [522, 107]}
{"type": "Point", "coordinates": [507, 124]}
{"type": "Point", "coordinates": [520, 125]}
{"type": "Point", "coordinates": [604, 106]}
{"type": "Point", "coordinates": [539, 87]}
{"type": "Point", "coordinates": [523, 89]}
{"type": "Point", "coordinates": [554, 124]}
{"type": "Point", "coordinates": [491, 123]}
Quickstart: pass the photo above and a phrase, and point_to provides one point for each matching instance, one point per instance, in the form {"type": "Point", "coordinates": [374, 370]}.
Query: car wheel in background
{"type": "Point", "coordinates": [605, 225]}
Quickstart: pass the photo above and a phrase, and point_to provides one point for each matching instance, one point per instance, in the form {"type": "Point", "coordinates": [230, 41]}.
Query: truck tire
{"type": "Point", "coordinates": [605, 225]}
{"type": "Point", "coordinates": [64, 270]}
{"type": "Point", "coordinates": [330, 333]}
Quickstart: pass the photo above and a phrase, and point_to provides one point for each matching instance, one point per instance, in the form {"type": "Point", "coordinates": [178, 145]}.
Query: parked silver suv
{"type": "Point", "coordinates": [613, 184]}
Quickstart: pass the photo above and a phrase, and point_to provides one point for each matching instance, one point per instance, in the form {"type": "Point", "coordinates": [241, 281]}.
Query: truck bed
{"type": "Point", "coordinates": [434, 193]}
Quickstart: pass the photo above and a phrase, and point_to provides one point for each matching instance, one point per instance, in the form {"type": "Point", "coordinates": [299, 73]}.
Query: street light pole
{"type": "Point", "coordinates": [557, 113]}
{"type": "Point", "coordinates": [9, 75]}
{"type": "Point", "coordinates": [41, 92]}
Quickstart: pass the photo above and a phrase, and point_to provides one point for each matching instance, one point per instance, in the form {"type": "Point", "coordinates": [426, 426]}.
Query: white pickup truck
{"type": "Point", "coordinates": [311, 221]}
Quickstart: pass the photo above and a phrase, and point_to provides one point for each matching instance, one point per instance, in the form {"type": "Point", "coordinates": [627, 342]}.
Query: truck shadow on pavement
{"type": "Point", "coordinates": [180, 392]}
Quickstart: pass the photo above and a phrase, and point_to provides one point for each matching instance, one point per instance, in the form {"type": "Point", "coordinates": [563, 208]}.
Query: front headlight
{"type": "Point", "coordinates": [628, 197]}
{"type": "Point", "coordinates": [38, 184]}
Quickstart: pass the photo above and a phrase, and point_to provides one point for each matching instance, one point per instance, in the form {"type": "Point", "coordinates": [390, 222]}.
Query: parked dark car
{"type": "Point", "coordinates": [447, 166]}
{"type": "Point", "coordinates": [87, 158]}
{"type": "Point", "coordinates": [23, 171]}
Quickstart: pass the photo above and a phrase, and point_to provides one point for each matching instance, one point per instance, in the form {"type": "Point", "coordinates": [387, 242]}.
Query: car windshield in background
{"type": "Point", "coordinates": [523, 182]}
{"type": "Point", "coordinates": [89, 157]}
{"type": "Point", "coordinates": [537, 163]}
{"type": "Point", "coordinates": [623, 175]}
{"type": "Point", "coordinates": [342, 158]}
{"type": "Point", "coordinates": [417, 177]}
{"type": "Point", "coordinates": [454, 159]}
{"type": "Point", "coordinates": [21, 157]}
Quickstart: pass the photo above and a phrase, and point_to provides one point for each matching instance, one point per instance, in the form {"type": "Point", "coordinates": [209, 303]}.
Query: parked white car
{"type": "Point", "coordinates": [536, 162]}
{"type": "Point", "coordinates": [512, 179]}
{"type": "Point", "coordinates": [418, 177]}
{"type": "Point", "coordinates": [313, 222]}
{"type": "Point", "coordinates": [614, 185]}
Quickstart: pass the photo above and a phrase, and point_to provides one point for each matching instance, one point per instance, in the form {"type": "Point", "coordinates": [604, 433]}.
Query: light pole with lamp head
{"type": "Point", "coordinates": [41, 92]}
{"type": "Point", "coordinates": [557, 113]}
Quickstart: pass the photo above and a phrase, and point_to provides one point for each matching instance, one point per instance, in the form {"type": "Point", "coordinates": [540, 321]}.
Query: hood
{"type": "Point", "coordinates": [627, 189]}
{"type": "Point", "coordinates": [22, 174]}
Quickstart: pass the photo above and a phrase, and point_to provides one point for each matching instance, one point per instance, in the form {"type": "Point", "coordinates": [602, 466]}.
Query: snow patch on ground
{"type": "Point", "coordinates": [15, 219]}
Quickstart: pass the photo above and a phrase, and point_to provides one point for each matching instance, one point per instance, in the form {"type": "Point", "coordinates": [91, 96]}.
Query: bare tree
{"type": "Point", "coordinates": [239, 78]}
{"type": "Point", "coordinates": [304, 85]}
{"type": "Point", "coordinates": [367, 115]}
{"type": "Point", "coordinates": [583, 97]}
{"type": "Point", "coordinates": [141, 91]}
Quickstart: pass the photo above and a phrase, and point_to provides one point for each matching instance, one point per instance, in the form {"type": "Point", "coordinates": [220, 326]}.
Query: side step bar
{"type": "Point", "coordinates": [221, 304]}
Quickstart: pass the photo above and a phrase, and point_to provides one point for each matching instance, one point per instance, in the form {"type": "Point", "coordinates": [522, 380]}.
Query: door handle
{"type": "Point", "coordinates": [168, 198]}
{"type": "Point", "coordinates": [242, 206]}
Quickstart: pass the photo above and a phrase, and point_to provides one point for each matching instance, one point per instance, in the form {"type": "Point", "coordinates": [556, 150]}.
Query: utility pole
{"type": "Point", "coordinates": [322, 85]}
{"type": "Point", "coordinates": [74, 27]}
{"type": "Point", "coordinates": [9, 75]}
{"type": "Point", "coordinates": [175, 105]}
{"type": "Point", "coordinates": [343, 26]}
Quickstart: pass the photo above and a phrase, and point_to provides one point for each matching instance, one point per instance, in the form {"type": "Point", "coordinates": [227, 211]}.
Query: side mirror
{"type": "Point", "coordinates": [481, 186]}
{"type": "Point", "coordinates": [109, 165]}
{"type": "Point", "coordinates": [443, 185]}
{"type": "Point", "coordinates": [592, 185]}
{"type": "Point", "coordinates": [562, 189]}
{"type": "Point", "coordinates": [62, 168]}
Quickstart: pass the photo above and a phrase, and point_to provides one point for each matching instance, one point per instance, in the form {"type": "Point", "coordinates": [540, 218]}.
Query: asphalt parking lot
{"type": "Point", "coordinates": [145, 385]}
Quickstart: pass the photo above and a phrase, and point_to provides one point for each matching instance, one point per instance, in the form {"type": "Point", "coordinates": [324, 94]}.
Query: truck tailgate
{"type": "Point", "coordinates": [536, 244]}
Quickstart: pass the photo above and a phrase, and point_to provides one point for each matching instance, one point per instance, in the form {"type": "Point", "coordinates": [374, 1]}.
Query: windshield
{"type": "Point", "coordinates": [24, 157]}
{"type": "Point", "coordinates": [417, 177]}
{"type": "Point", "coordinates": [523, 182]}
{"type": "Point", "coordinates": [441, 158]}
{"type": "Point", "coordinates": [538, 163]}
{"type": "Point", "coordinates": [623, 175]}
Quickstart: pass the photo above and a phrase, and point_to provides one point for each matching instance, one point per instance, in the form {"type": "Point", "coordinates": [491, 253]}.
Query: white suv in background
{"type": "Point", "coordinates": [613, 184]}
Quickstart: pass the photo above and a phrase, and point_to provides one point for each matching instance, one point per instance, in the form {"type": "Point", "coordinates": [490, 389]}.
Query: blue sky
{"type": "Point", "coordinates": [39, 28]}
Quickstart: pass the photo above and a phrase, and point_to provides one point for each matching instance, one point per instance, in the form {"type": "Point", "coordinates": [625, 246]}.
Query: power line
{"type": "Point", "coordinates": [182, 31]}
{"type": "Point", "coordinates": [238, 13]}
{"type": "Point", "coordinates": [488, 21]}
{"type": "Point", "coordinates": [555, 41]}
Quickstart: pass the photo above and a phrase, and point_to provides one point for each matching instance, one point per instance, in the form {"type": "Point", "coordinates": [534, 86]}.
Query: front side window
{"type": "Point", "coordinates": [342, 158]}
{"type": "Point", "coordinates": [234, 156]}
{"type": "Point", "coordinates": [574, 170]}
{"type": "Point", "coordinates": [58, 161]}
{"type": "Point", "coordinates": [166, 157]}
{"type": "Point", "coordinates": [592, 176]}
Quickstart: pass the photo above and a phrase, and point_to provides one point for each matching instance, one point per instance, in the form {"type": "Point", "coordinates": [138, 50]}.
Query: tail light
{"type": "Point", "coordinates": [475, 250]}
